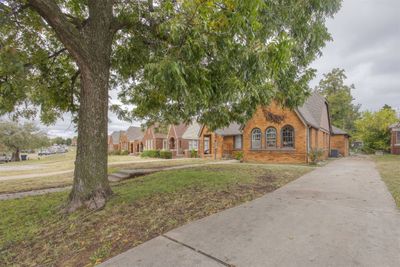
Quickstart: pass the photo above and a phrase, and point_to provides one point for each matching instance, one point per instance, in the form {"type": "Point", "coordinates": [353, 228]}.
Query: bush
{"type": "Point", "coordinates": [124, 152]}
{"type": "Point", "coordinates": [238, 155]}
{"type": "Point", "coordinates": [193, 153]}
{"type": "Point", "coordinates": [164, 154]}
{"type": "Point", "coordinates": [315, 155]}
{"type": "Point", "coordinates": [150, 154]}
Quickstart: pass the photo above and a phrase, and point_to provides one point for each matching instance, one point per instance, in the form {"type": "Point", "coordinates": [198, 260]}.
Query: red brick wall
{"type": "Point", "coordinates": [394, 147]}
{"type": "Point", "coordinates": [341, 143]}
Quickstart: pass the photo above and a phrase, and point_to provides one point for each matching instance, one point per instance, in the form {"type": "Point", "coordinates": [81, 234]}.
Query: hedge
{"type": "Point", "coordinates": [165, 154]}
{"type": "Point", "coordinates": [150, 154]}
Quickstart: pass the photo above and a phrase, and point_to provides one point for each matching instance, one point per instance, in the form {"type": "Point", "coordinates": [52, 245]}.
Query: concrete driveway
{"type": "Point", "coordinates": [337, 215]}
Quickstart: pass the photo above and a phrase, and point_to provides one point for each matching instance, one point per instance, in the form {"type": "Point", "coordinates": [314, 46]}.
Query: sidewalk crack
{"type": "Point", "coordinates": [199, 251]}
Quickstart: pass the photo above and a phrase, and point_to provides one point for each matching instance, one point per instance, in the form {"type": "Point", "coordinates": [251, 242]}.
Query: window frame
{"type": "Point", "coordinates": [241, 142]}
{"type": "Point", "coordinates": [397, 135]}
{"type": "Point", "coordinates": [288, 126]}
{"type": "Point", "coordinates": [267, 140]}
{"type": "Point", "coordinates": [252, 140]}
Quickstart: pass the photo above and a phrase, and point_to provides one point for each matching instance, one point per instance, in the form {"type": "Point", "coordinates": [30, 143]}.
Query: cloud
{"type": "Point", "coordinates": [366, 37]}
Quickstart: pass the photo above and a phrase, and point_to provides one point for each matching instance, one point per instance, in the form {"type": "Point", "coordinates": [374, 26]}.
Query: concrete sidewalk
{"type": "Point", "coordinates": [337, 215]}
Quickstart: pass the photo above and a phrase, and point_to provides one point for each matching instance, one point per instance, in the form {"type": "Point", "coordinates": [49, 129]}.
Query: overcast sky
{"type": "Point", "coordinates": [366, 43]}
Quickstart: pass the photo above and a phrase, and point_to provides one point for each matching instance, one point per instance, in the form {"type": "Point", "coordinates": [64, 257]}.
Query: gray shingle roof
{"type": "Point", "coordinates": [135, 133]}
{"type": "Point", "coordinates": [336, 130]}
{"type": "Point", "coordinates": [192, 132]}
{"type": "Point", "coordinates": [233, 129]}
{"type": "Point", "coordinates": [312, 110]}
{"type": "Point", "coordinates": [115, 137]}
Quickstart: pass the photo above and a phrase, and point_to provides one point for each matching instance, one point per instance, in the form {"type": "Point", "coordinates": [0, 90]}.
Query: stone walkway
{"type": "Point", "coordinates": [338, 215]}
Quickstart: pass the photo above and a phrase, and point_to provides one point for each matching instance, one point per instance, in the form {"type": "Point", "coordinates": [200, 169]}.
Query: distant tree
{"type": "Point", "coordinates": [58, 141]}
{"type": "Point", "coordinates": [342, 110]}
{"type": "Point", "coordinates": [17, 137]}
{"type": "Point", "coordinates": [68, 141]}
{"type": "Point", "coordinates": [386, 106]}
{"type": "Point", "coordinates": [373, 128]}
{"type": "Point", "coordinates": [173, 60]}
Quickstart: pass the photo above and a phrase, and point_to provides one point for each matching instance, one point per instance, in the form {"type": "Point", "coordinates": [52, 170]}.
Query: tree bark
{"type": "Point", "coordinates": [91, 187]}
{"type": "Point", "coordinates": [15, 155]}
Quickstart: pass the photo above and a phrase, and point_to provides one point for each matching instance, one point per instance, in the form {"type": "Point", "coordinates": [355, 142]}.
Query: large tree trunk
{"type": "Point", "coordinates": [89, 43]}
{"type": "Point", "coordinates": [15, 155]}
{"type": "Point", "coordinates": [91, 188]}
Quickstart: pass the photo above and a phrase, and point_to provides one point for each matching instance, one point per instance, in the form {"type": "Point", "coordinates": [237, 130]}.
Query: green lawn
{"type": "Point", "coordinates": [60, 180]}
{"type": "Point", "coordinates": [389, 168]}
{"type": "Point", "coordinates": [33, 231]}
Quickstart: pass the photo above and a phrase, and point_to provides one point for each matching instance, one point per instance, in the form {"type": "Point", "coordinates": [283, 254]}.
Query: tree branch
{"type": "Point", "coordinates": [66, 31]}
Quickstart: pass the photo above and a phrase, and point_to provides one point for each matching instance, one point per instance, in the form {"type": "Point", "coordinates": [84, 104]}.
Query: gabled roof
{"type": "Point", "coordinates": [180, 129]}
{"type": "Point", "coordinates": [192, 131]}
{"type": "Point", "coordinates": [338, 131]}
{"type": "Point", "coordinates": [312, 110]}
{"type": "Point", "coordinates": [233, 129]}
{"type": "Point", "coordinates": [159, 131]}
{"type": "Point", "coordinates": [115, 137]}
{"type": "Point", "coordinates": [135, 133]}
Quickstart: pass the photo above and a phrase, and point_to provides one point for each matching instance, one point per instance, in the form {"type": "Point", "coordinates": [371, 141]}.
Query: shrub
{"type": "Point", "coordinates": [193, 153]}
{"type": "Point", "coordinates": [238, 155]}
{"type": "Point", "coordinates": [150, 154]}
{"type": "Point", "coordinates": [315, 155]}
{"type": "Point", "coordinates": [164, 154]}
{"type": "Point", "coordinates": [124, 152]}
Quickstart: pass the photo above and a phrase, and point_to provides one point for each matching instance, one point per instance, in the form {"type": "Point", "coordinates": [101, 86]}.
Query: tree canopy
{"type": "Point", "coordinates": [373, 128]}
{"type": "Point", "coordinates": [16, 137]}
{"type": "Point", "coordinates": [172, 61]}
{"type": "Point", "coordinates": [341, 107]}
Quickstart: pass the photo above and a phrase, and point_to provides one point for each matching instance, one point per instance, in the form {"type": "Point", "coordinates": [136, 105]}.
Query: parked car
{"type": "Point", "coordinates": [4, 158]}
{"type": "Point", "coordinates": [44, 153]}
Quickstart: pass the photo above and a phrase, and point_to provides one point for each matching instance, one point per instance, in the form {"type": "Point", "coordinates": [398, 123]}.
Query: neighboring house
{"type": "Point", "coordinates": [135, 136]}
{"type": "Point", "coordinates": [155, 138]}
{"type": "Point", "coordinates": [123, 141]}
{"type": "Point", "coordinates": [339, 141]}
{"type": "Point", "coordinates": [114, 141]}
{"type": "Point", "coordinates": [191, 135]}
{"type": "Point", "coordinates": [117, 141]}
{"type": "Point", "coordinates": [395, 138]}
{"type": "Point", "coordinates": [175, 143]}
{"type": "Point", "coordinates": [273, 134]}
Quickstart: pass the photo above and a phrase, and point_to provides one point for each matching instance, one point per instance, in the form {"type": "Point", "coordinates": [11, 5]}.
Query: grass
{"type": "Point", "coordinates": [389, 168]}
{"type": "Point", "coordinates": [60, 180]}
{"type": "Point", "coordinates": [33, 231]}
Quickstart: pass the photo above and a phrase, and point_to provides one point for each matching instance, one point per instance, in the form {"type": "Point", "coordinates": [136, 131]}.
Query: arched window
{"type": "Point", "coordinates": [270, 137]}
{"type": "Point", "coordinates": [287, 136]}
{"type": "Point", "coordinates": [256, 138]}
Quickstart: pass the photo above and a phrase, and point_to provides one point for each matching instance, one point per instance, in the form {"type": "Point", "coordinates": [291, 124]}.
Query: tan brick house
{"type": "Point", "coordinates": [273, 134]}
{"type": "Point", "coordinates": [395, 138]}
{"type": "Point", "coordinates": [114, 141]}
{"type": "Point", "coordinates": [340, 141]}
{"type": "Point", "coordinates": [135, 139]}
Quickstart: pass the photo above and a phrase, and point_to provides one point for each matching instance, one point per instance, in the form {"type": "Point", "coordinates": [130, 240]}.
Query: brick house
{"type": "Point", "coordinates": [273, 134]}
{"type": "Point", "coordinates": [117, 141]}
{"type": "Point", "coordinates": [191, 136]}
{"type": "Point", "coordinates": [340, 141]}
{"type": "Point", "coordinates": [155, 138]}
{"type": "Point", "coordinates": [395, 138]}
{"type": "Point", "coordinates": [135, 139]}
{"type": "Point", "coordinates": [176, 144]}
